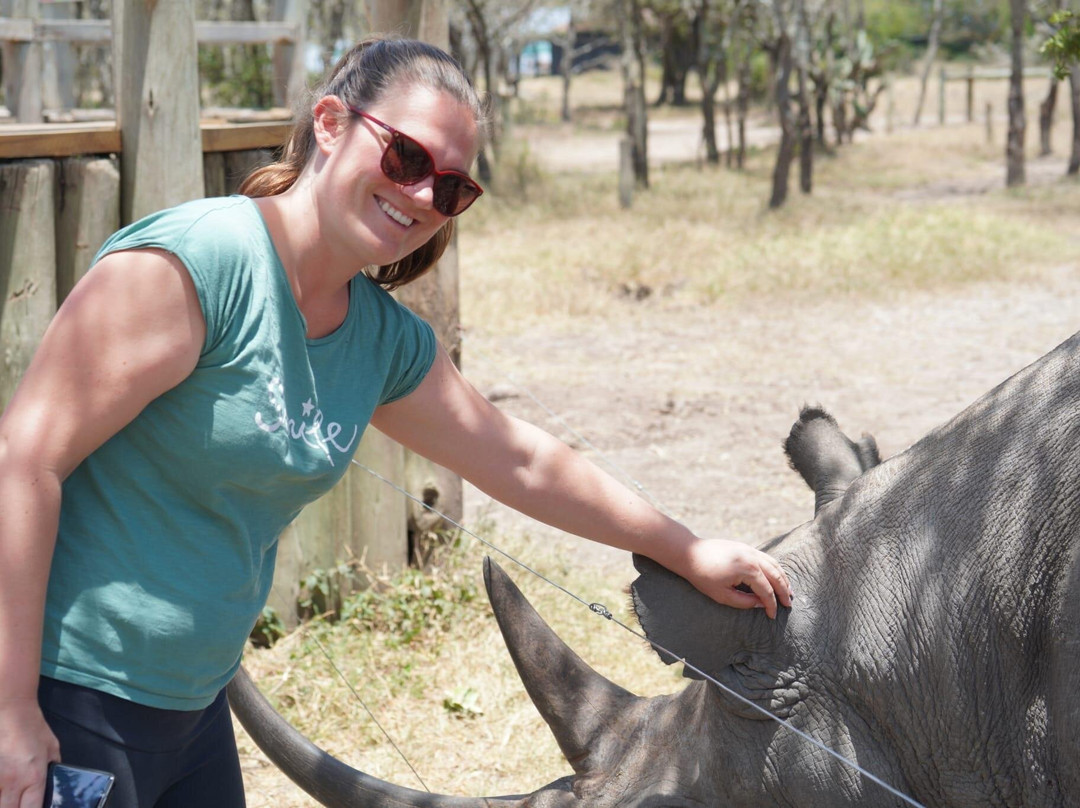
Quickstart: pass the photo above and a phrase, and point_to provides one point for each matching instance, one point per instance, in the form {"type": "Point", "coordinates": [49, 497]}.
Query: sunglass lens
{"type": "Point", "coordinates": [406, 161]}
{"type": "Point", "coordinates": [454, 194]}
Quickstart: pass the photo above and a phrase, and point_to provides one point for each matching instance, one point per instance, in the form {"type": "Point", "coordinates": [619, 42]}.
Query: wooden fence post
{"type": "Point", "coordinates": [971, 93]}
{"type": "Point", "coordinates": [58, 61]}
{"type": "Point", "coordinates": [290, 75]}
{"type": "Point", "coordinates": [157, 104]}
{"type": "Point", "coordinates": [626, 172]}
{"type": "Point", "coordinates": [434, 296]}
{"type": "Point", "coordinates": [941, 97]}
{"type": "Point", "coordinates": [22, 67]}
{"type": "Point", "coordinates": [27, 265]}
{"type": "Point", "coordinates": [87, 213]}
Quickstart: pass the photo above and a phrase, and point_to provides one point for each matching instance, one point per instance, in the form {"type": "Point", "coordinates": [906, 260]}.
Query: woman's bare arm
{"type": "Point", "coordinates": [129, 331]}
{"type": "Point", "coordinates": [448, 421]}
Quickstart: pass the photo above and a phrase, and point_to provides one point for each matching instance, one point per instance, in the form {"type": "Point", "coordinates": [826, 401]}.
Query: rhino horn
{"type": "Point", "coordinates": [577, 703]}
{"type": "Point", "coordinates": [326, 778]}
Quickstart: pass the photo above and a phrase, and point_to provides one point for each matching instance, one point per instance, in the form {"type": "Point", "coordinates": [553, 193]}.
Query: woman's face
{"type": "Point", "coordinates": [375, 218]}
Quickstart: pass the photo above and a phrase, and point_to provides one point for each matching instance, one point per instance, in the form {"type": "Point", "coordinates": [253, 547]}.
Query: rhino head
{"type": "Point", "coordinates": [934, 639]}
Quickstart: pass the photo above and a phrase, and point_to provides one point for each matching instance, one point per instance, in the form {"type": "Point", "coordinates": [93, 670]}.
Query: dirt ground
{"type": "Point", "coordinates": [693, 404]}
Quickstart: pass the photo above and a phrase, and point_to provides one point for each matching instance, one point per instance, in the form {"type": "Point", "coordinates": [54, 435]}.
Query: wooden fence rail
{"type": "Point", "coordinates": [21, 40]}
{"type": "Point", "coordinates": [975, 74]}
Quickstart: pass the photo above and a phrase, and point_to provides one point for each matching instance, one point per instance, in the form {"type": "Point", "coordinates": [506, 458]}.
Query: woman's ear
{"type": "Point", "coordinates": [330, 117]}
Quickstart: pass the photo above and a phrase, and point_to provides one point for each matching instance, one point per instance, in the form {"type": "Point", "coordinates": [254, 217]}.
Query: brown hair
{"type": "Point", "coordinates": [361, 77]}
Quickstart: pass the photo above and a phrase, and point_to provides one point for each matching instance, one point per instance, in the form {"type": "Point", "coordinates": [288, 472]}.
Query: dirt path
{"type": "Point", "coordinates": [693, 403]}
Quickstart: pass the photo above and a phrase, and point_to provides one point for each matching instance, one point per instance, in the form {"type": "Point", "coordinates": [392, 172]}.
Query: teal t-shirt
{"type": "Point", "coordinates": [168, 532]}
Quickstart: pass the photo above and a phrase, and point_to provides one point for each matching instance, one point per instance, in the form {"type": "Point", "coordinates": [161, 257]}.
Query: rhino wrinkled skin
{"type": "Point", "coordinates": [934, 639]}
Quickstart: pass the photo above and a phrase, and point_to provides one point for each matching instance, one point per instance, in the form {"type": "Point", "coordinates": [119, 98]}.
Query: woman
{"type": "Point", "coordinates": [210, 376]}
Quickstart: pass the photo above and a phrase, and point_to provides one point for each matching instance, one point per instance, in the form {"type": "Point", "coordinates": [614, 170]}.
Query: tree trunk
{"type": "Point", "coordinates": [742, 107]}
{"type": "Point", "coordinates": [1046, 118]}
{"type": "Point", "coordinates": [931, 54]}
{"type": "Point", "coordinates": [806, 136]}
{"type": "Point", "coordinates": [712, 72]}
{"type": "Point", "coordinates": [632, 65]}
{"type": "Point", "coordinates": [676, 55]}
{"type": "Point", "coordinates": [804, 124]}
{"type": "Point", "coordinates": [1074, 93]}
{"type": "Point", "coordinates": [568, 67]}
{"type": "Point", "coordinates": [1014, 149]}
{"type": "Point", "coordinates": [786, 153]}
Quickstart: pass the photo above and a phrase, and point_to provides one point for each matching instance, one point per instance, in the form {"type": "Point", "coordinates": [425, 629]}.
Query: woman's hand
{"type": "Point", "coordinates": [27, 746]}
{"type": "Point", "coordinates": [717, 567]}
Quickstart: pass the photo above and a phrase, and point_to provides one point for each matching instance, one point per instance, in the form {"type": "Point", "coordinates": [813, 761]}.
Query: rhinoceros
{"type": "Point", "coordinates": [934, 640]}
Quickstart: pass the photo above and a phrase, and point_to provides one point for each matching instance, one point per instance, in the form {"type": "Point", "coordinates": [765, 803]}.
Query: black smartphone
{"type": "Point", "coordinates": [76, 787]}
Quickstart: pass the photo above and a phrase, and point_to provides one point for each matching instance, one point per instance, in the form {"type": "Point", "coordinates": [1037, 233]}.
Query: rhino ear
{"type": "Point", "coordinates": [684, 624]}
{"type": "Point", "coordinates": [671, 613]}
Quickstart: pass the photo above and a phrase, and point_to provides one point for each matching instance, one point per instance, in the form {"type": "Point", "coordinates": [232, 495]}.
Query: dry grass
{"type": "Point", "coordinates": [920, 208]}
{"type": "Point", "coordinates": [503, 749]}
{"type": "Point", "coordinates": [916, 209]}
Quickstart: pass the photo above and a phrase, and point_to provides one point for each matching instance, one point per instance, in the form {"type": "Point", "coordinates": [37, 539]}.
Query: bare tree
{"type": "Point", "coordinates": [1046, 117]}
{"type": "Point", "coordinates": [569, 42]}
{"type": "Point", "coordinates": [632, 66]}
{"type": "Point", "coordinates": [1074, 93]}
{"type": "Point", "coordinates": [1014, 148]}
{"type": "Point", "coordinates": [804, 125]}
{"type": "Point", "coordinates": [711, 24]}
{"type": "Point", "coordinates": [677, 49]}
{"type": "Point", "coordinates": [936, 18]}
{"type": "Point", "coordinates": [781, 48]}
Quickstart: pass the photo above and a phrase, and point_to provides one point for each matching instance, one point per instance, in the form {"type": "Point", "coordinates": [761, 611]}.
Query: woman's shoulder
{"type": "Point", "coordinates": [213, 224]}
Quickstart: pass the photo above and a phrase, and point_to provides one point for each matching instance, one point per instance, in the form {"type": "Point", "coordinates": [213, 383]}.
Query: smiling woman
{"type": "Point", "coordinates": [208, 378]}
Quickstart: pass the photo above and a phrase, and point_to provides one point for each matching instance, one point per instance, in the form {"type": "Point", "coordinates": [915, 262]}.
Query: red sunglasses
{"type": "Point", "coordinates": [407, 162]}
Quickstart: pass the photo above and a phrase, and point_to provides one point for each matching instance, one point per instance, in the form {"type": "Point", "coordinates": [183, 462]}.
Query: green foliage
{"type": "Point", "coordinates": [464, 702]}
{"type": "Point", "coordinates": [236, 76]}
{"type": "Point", "coordinates": [888, 20]}
{"type": "Point", "coordinates": [760, 76]}
{"type": "Point", "coordinates": [1063, 46]}
{"type": "Point", "coordinates": [409, 603]}
{"type": "Point", "coordinates": [268, 628]}
{"type": "Point", "coordinates": [969, 23]}
{"type": "Point", "coordinates": [322, 591]}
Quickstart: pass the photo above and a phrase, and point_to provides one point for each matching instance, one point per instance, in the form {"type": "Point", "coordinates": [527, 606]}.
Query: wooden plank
{"type": "Point", "coordinates": [245, 33]}
{"type": "Point", "coordinates": [87, 213]}
{"type": "Point", "coordinates": [218, 137]}
{"type": "Point", "coordinates": [23, 67]}
{"type": "Point", "coordinates": [290, 73]}
{"type": "Point", "coordinates": [238, 164]}
{"type": "Point", "coordinates": [214, 173]}
{"type": "Point", "coordinates": [18, 141]}
{"type": "Point", "coordinates": [27, 265]}
{"type": "Point", "coordinates": [157, 105]}
{"type": "Point", "coordinates": [22, 141]}
{"type": "Point", "coordinates": [208, 32]}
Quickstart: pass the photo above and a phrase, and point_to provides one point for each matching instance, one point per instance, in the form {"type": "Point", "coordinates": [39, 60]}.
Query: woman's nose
{"type": "Point", "coordinates": [422, 193]}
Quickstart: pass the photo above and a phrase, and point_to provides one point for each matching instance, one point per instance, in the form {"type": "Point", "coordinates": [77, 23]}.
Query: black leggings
{"type": "Point", "coordinates": [161, 758]}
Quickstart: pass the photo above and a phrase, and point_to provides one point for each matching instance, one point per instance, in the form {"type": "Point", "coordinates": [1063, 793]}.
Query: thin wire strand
{"type": "Point", "coordinates": [603, 611]}
{"type": "Point", "coordinates": [341, 675]}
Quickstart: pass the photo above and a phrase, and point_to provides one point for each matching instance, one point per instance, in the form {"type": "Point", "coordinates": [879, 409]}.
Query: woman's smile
{"type": "Point", "coordinates": [393, 212]}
